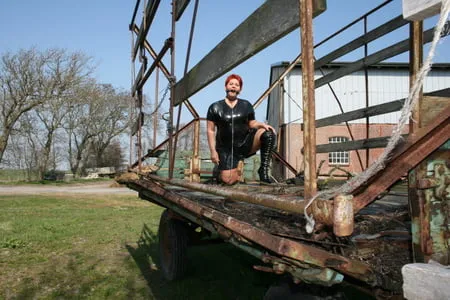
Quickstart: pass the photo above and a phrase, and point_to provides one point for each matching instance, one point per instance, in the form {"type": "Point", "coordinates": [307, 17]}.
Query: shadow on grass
{"type": "Point", "coordinates": [216, 271]}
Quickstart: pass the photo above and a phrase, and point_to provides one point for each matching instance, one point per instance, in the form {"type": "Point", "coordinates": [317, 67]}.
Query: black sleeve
{"type": "Point", "coordinates": [251, 112]}
{"type": "Point", "coordinates": [212, 113]}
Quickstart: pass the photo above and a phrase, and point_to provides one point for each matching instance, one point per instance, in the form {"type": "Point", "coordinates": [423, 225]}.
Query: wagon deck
{"type": "Point", "coordinates": [374, 254]}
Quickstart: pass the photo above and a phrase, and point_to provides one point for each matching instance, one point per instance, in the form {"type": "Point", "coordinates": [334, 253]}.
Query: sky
{"type": "Point", "coordinates": [100, 29]}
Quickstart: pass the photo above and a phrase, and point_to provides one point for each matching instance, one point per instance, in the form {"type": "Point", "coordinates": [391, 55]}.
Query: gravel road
{"type": "Point", "coordinates": [91, 188]}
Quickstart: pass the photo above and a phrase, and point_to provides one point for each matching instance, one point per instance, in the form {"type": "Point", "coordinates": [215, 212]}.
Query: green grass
{"type": "Point", "coordinates": [105, 246]}
{"type": "Point", "coordinates": [10, 175]}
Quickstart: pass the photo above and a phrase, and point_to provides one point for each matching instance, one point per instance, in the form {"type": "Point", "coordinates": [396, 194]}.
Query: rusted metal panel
{"type": "Point", "coordinates": [282, 246]}
{"type": "Point", "coordinates": [417, 147]}
{"type": "Point", "coordinates": [431, 232]}
{"type": "Point", "coordinates": [270, 22]}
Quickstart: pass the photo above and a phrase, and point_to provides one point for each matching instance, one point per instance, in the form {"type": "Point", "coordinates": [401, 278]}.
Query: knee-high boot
{"type": "Point", "coordinates": [267, 145]}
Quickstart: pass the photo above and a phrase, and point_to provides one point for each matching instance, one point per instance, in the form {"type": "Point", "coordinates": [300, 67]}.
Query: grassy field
{"type": "Point", "coordinates": [93, 246]}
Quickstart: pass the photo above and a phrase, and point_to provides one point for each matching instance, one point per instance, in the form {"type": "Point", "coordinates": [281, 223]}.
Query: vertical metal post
{"type": "Point", "coordinates": [139, 134]}
{"type": "Point", "coordinates": [366, 81]}
{"type": "Point", "coordinates": [415, 201]}
{"type": "Point", "coordinates": [195, 177]}
{"type": "Point", "coordinates": [309, 115]}
{"type": "Point", "coordinates": [416, 61]}
{"type": "Point", "coordinates": [172, 92]}
{"type": "Point", "coordinates": [155, 109]}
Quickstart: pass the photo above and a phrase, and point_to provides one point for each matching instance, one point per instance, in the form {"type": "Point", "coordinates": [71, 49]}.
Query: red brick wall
{"type": "Point", "coordinates": [291, 143]}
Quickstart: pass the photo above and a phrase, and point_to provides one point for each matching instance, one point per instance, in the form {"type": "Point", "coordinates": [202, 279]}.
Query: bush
{"type": "Point", "coordinates": [54, 175]}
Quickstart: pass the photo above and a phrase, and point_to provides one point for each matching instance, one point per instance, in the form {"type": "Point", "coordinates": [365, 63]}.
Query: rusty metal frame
{"type": "Point", "coordinates": [284, 247]}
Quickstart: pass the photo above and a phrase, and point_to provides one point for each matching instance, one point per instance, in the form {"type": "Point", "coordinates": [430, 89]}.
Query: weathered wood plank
{"type": "Point", "coordinates": [416, 10]}
{"type": "Point", "coordinates": [270, 22]}
{"type": "Point", "coordinates": [180, 7]}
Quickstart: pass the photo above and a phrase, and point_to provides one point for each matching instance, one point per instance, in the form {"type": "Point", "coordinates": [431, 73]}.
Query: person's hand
{"type": "Point", "coordinates": [215, 157]}
{"type": "Point", "coordinates": [268, 127]}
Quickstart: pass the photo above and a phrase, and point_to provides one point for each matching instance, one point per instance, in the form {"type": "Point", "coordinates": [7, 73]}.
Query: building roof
{"type": "Point", "coordinates": [382, 65]}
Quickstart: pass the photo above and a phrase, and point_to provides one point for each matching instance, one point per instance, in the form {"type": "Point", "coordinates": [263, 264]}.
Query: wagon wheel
{"type": "Point", "coordinates": [285, 289]}
{"type": "Point", "coordinates": [173, 239]}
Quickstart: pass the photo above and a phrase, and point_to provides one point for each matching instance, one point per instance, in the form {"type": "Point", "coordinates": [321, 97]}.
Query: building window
{"type": "Point", "coordinates": [338, 157]}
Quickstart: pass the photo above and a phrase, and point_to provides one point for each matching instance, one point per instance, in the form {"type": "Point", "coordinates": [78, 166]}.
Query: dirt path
{"type": "Point", "coordinates": [91, 188]}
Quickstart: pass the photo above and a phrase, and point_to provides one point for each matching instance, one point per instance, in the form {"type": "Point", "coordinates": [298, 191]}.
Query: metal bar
{"type": "Point", "coordinates": [166, 72]}
{"type": "Point", "coordinates": [362, 40]}
{"type": "Point", "coordinates": [136, 7]}
{"type": "Point", "coordinates": [353, 23]}
{"type": "Point", "coordinates": [342, 112]}
{"type": "Point", "coordinates": [139, 77]}
{"type": "Point", "coordinates": [416, 61]}
{"type": "Point", "coordinates": [418, 146]}
{"type": "Point", "coordinates": [195, 155]}
{"type": "Point", "coordinates": [414, 201]}
{"type": "Point", "coordinates": [375, 110]}
{"type": "Point", "coordinates": [153, 54]}
{"type": "Point", "coordinates": [381, 55]}
{"type": "Point", "coordinates": [281, 246]}
{"type": "Point", "coordinates": [295, 204]}
{"type": "Point", "coordinates": [309, 115]}
{"type": "Point", "coordinates": [284, 162]}
{"type": "Point", "coordinates": [366, 84]}
{"type": "Point", "coordinates": [378, 142]}
{"type": "Point", "coordinates": [162, 144]}
{"type": "Point", "coordinates": [172, 150]}
{"type": "Point", "coordinates": [278, 81]}
{"type": "Point", "coordinates": [155, 113]}
{"type": "Point", "coordinates": [270, 22]}
{"type": "Point", "coordinates": [167, 45]}
{"type": "Point", "coordinates": [150, 11]}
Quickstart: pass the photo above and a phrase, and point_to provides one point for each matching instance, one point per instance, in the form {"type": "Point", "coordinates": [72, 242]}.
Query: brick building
{"type": "Point", "coordinates": [387, 82]}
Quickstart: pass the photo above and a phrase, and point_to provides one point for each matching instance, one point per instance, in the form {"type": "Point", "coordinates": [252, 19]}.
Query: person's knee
{"type": "Point", "coordinates": [268, 137]}
{"type": "Point", "coordinates": [229, 177]}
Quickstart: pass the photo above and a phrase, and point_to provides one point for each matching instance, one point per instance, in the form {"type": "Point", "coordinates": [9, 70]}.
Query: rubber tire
{"type": "Point", "coordinates": [173, 241]}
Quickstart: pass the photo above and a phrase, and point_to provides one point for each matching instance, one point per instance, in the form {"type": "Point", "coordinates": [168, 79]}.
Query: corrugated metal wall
{"type": "Point", "coordinates": [385, 85]}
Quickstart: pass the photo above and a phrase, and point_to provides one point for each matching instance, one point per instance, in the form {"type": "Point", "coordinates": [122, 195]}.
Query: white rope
{"type": "Point", "coordinates": [396, 137]}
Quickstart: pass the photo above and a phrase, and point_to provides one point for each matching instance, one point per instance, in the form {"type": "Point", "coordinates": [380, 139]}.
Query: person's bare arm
{"type": "Point", "coordinates": [211, 133]}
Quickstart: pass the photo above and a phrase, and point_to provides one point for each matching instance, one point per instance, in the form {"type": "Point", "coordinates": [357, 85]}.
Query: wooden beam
{"type": "Point", "coordinates": [180, 7]}
{"type": "Point", "coordinates": [417, 10]}
{"type": "Point", "coordinates": [270, 22]}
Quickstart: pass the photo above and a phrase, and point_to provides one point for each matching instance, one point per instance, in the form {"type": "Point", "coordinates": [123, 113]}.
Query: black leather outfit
{"type": "Point", "coordinates": [234, 138]}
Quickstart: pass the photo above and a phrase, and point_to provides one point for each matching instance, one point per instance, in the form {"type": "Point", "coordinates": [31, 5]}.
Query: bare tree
{"type": "Point", "coordinates": [30, 78]}
{"type": "Point", "coordinates": [98, 115]}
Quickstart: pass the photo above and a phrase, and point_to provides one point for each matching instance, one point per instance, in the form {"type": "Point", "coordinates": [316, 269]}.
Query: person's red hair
{"type": "Point", "coordinates": [234, 76]}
